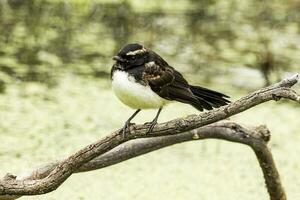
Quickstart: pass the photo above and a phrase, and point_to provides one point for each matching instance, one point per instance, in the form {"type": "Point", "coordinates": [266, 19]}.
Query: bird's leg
{"type": "Point", "coordinates": [127, 123]}
{"type": "Point", "coordinates": [154, 121]}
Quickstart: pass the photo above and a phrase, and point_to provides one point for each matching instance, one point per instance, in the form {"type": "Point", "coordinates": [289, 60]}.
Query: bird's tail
{"type": "Point", "coordinates": [208, 99]}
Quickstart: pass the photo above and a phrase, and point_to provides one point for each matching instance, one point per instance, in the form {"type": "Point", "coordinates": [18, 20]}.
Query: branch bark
{"type": "Point", "coordinates": [104, 152]}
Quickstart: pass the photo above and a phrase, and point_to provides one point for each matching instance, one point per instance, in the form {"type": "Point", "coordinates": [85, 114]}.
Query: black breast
{"type": "Point", "coordinates": [137, 73]}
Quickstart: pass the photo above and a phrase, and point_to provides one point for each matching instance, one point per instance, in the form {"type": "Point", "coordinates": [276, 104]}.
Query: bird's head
{"type": "Point", "coordinates": [131, 55]}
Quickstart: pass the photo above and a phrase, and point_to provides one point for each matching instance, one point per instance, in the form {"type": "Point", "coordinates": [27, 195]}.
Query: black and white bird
{"type": "Point", "coordinates": [141, 79]}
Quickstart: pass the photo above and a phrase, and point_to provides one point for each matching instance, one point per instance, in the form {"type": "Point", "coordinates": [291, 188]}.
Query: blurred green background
{"type": "Point", "coordinates": [55, 96]}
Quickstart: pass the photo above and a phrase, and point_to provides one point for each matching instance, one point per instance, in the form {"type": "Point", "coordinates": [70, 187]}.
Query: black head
{"type": "Point", "coordinates": [131, 55]}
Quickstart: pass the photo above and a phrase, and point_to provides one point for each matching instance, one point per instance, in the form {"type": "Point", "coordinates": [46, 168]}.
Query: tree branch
{"type": "Point", "coordinates": [84, 159]}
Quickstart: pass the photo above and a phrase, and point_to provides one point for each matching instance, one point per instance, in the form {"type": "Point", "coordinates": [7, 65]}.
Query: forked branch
{"type": "Point", "coordinates": [114, 148]}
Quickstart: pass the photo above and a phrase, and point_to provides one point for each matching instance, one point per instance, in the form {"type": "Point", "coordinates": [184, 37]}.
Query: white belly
{"type": "Point", "coordinates": [133, 94]}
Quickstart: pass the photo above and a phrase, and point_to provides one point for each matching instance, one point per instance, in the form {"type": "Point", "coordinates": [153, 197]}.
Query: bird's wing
{"type": "Point", "coordinates": [170, 84]}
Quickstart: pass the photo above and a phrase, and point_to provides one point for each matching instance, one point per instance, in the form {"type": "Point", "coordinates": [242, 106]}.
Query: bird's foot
{"type": "Point", "coordinates": [126, 128]}
{"type": "Point", "coordinates": [151, 126]}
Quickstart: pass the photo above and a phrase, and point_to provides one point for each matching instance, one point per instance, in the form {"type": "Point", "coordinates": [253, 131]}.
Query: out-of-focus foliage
{"type": "Point", "coordinates": [40, 39]}
{"type": "Point", "coordinates": [48, 113]}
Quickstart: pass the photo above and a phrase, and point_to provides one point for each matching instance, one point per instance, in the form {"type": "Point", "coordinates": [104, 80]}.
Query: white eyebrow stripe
{"type": "Point", "coordinates": [139, 51]}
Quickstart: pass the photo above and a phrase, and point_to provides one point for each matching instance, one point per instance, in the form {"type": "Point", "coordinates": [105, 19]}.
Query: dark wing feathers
{"type": "Point", "coordinates": [170, 84]}
{"type": "Point", "coordinates": [157, 76]}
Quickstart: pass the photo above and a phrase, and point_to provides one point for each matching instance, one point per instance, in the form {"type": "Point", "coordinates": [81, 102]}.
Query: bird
{"type": "Point", "coordinates": [141, 79]}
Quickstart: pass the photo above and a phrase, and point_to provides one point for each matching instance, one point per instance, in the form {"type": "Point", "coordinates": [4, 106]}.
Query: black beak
{"type": "Point", "coordinates": [118, 58]}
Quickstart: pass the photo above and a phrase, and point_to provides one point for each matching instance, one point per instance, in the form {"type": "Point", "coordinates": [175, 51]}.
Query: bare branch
{"type": "Point", "coordinates": [137, 147]}
{"type": "Point", "coordinates": [82, 160]}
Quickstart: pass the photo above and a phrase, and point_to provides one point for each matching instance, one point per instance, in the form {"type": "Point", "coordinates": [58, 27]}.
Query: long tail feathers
{"type": "Point", "coordinates": [208, 99]}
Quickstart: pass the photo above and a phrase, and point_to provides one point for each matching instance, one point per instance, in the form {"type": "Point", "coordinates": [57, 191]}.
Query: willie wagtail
{"type": "Point", "coordinates": [141, 79]}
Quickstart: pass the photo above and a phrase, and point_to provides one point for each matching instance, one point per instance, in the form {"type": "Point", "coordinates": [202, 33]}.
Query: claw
{"type": "Point", "coordinates": [128, 124]}
{"type": "Point", "coordinates": [152, 125]}
{"type": "Point", "coordinates": [125, 128]}
{"type": "Point", "coordinates": [154, 121]}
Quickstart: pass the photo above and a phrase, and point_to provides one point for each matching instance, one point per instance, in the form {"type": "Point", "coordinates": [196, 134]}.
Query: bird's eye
{"type": "Point", "coordinates": [132, 57]}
